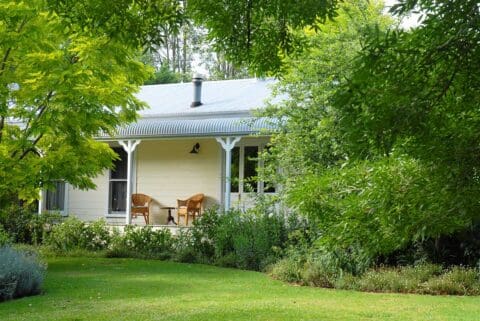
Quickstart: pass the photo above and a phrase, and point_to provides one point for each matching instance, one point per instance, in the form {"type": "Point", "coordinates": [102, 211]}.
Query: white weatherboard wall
{"type": "Point", "coordinates": [167, 171]}
{"type": "Point", "coordinates": [89, 205]}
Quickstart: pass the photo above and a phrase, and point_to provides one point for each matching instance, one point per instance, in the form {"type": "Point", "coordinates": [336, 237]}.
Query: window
{"type": "Point", "coordinates": [250, 165]}
{"type": "Point", "coordinates": [118, 183]}
{"type": "Point", "coordinates": [245, 164]}
{"type": "Point", "coordinates": [55, 197]}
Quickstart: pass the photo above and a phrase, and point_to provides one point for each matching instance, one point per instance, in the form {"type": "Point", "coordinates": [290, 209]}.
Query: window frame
{"type": "Point", "coordinates": [64, 211]}
{"type": "Point", "coordinates": [241, 169]}
{"type": "Point", "coordinates": [110, 212]}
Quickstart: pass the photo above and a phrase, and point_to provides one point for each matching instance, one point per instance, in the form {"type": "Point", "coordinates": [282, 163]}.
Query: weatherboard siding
{"type": "Point", "coordinates": [89, 205]}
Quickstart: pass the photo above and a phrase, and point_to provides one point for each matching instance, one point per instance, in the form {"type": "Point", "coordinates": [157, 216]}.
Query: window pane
{"type": "Point", "coordinates": [119, 170]}
{"type": "Point", "coordinates": [235, 169]}
{"type": "Point", "coordinates": [117, 197]}
{"type": "Point", "coordinates": [250, 169]}
{"type": "Point", "coordinates": [55, 199]}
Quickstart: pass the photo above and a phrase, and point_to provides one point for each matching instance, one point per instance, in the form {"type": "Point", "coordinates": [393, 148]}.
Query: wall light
{"type": "Point", "coordinates": [195, 149]}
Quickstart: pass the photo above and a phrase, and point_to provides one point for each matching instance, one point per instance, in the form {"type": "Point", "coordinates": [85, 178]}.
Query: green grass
{"type": "Point", "coordinates": [128, 289]}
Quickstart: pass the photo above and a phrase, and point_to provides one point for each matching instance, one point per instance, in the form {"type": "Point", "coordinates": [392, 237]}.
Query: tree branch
{"type": "Point", "coordinates": [40, 110]}
{"type": "Point", "coordinates": [4, 60]}
{"type": "Point", "coordinates": [9, 50]}
{"type": "Point", "coordinates": [2, 124]}
{"type": "Point", "coordinates": [28, 128]}
{"type": "Point", "coordinates": [31, 148]}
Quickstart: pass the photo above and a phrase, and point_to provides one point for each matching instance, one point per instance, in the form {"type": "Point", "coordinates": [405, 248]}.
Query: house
{"type": "Point", "coordinates": [179, 147]}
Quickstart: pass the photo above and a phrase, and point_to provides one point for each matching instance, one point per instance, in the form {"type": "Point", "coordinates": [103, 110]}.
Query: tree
{"type": "Point", "coordinates": [258, 34]}
{"type": "Point", "coordinates": [308, 141]}
{"type": "Point", "coordinates": [388, 150]}
{"type": "Point", "coordinates": [68, 71]}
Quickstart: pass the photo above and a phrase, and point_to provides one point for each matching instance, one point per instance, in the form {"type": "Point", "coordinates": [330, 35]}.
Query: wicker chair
{"type": "Point", "coordinates": [141, 206]}
{"type": "Point", "coordinates": [192, 206]}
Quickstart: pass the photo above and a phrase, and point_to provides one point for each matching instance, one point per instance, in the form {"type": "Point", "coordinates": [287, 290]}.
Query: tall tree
{"type": "Point", "coordinates": [68, 70]}
{"type": "Point", "coordinates": [385, 145]}
{"type": "Point", "coordinates": [308, 142]}
{"type": "Point", "coordinates": [258, 34]}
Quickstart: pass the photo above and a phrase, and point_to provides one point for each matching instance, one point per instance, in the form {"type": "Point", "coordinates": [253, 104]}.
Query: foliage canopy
{"type": "Point", "coordinates": [258, 33]}
{"type": "Point", "coordinates": [381, 143]}
{"type": "Point", "coordinates": [67, 72]}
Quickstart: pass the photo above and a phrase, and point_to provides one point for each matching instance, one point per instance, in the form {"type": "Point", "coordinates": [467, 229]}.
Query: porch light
{"type": "Point", "coordinates": [195, 149]}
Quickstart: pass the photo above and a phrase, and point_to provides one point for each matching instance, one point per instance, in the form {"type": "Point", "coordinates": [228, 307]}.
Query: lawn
{"type": "Point", "coordinates": [128, 289]}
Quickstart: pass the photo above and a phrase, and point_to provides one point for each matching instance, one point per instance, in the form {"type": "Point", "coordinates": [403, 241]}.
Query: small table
{"type": "Point", "coordinates": [170, 218]}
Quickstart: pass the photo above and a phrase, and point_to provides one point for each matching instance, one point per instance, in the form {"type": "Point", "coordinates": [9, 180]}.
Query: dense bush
{"type": "Point", "coordinates": [26, 226]}
{"type": "Point", "coordinates": [459, 248]}
{"type": "Point", "coordinates": [4, 237]}
{"type": "Point", "coordinates": [142, 242]}
{"type": "Point", "coordinates": [382, 206]}
{"type": "Point", "coordinates": [190, 248]}
{"type": "Point", "coordinates": [75, 234]}
{"type": "Point", "coordinates": [21, 273]}
{"type": "Point", "coordinates": [234, 239]}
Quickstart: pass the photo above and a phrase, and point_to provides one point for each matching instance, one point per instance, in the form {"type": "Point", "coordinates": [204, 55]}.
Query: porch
{"type": "Point", "coordinates": [168, 170]}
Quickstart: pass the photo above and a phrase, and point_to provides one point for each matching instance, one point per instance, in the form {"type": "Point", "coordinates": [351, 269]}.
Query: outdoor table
{"type": "Point", "coordinates": [170, 217]}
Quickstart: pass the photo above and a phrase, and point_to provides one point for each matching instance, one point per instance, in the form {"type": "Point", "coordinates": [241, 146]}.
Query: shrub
{"type": "Point", "coordinates": [235, 239]}
{"type": "Point", "coordinates": [143, 242]}
{"type": "Point", "coordinates": [75, 234]}
{"type": "Point", "coordinates": [383, 205]}
{"type": "Point", "coordinates": [185, 249]}
{"type": "Point", "coordinates": [322, 271]}
{"type": "Point", "coordinates": [317, 266]}
{"type": "Point", "coordinates": [41, 225]}
{"type": "Point", "coordinates": [16, 221]}
{"type": "Point", "coordinates": [4, 237]}
{"type": "Point", "coordinates": [455, 281]}
{"type": "Point", "coordinates": [288, 269]}
{"type": "Point", "coordinates": [26, 226]}
{"type": "Point", "coordinates": [408, 279]}
{"type": "Point", "coordinates": [21, 273]}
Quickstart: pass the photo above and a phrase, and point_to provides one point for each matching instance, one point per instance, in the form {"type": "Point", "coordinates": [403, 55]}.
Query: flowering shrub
{"type": "Point", "coordinates": [76, 234]}
{"type": "Point", "coordinates": [143, 242]}
{"type": "Point", "coordinates": [96, 236]}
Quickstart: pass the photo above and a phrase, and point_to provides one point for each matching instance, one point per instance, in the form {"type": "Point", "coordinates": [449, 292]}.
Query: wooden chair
{"type": "Point", "coordinates": [192, 206]}
{"type": "Point", "coordinates": [141, 206]}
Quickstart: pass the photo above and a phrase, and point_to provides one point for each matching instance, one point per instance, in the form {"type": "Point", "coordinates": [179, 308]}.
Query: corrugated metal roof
{"type": "Point", "coordinates": [226, 110]}
{"type": "Point", "coordinates": [170, 127]}
{"type": "Point", "coordinates": [217, 97]}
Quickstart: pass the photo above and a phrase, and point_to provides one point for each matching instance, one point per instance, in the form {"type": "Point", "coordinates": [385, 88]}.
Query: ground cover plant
{"type": "Point", "coordinates": [421, 279]}
{"type": "Point", "coordinates": [132, 289]}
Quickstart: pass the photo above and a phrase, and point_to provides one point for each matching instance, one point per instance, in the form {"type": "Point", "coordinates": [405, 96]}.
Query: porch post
{"type": "Point", "coordinates": [227, 144]}
{"type": "Point", "coordinates": [129, 147]}
{"type": "Point", "coordinates": [41, 191]}
{"type": "Point", "coordinates": [40, 202]}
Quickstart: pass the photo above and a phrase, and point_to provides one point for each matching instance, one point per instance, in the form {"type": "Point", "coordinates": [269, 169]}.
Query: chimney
{"type": "Point", "coordinates": [197, 90]}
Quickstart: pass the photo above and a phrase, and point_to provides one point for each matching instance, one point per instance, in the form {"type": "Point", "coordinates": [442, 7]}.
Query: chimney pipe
{"type": "Point", "coordinates": [197, 90]}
